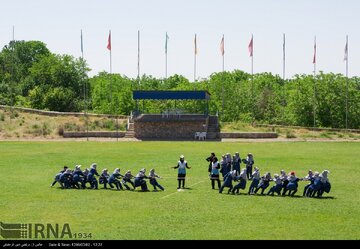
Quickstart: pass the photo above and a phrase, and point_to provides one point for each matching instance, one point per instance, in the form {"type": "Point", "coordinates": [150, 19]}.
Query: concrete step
{"type": "Point", "coordinates": [211, 135]}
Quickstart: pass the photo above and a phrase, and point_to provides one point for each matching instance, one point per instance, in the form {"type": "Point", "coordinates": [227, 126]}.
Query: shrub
{"type": "Point", "coordinates": [14, 114]}
{"type": "Point", "coordinates": [2, 116]}
{"type": "Point", "coordinates": [61, 131]}
{"type": "Point", "coordinates": [46, 129]}
{"type": "Point", "coordinates": [290, 134]}
{"type": "Point", "coordinates": [42, 130]}
{"type": "Point", "coordinates": [71, 127]}
{"type": "Point", "coordinates": [325, 135]}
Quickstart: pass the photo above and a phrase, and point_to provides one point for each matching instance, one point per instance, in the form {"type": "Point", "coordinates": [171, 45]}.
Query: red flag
{"type": "Point", "coordinates": [109, 41]}
{"type": "Point", "coordinates": [251, 46]}
{"type": "Point", "coordinates": [314, 59]}
{"type": "Point", "coordinates": [222, 46]}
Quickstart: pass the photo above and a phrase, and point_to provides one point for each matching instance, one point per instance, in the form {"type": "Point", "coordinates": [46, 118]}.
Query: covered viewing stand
{"type": "Point", "coordinates": [173, 124]}
{"type": "Point", "coordinates": [172, 95]}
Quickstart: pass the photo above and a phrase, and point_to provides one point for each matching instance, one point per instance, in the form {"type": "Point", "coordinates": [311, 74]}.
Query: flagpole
{"type": "Point", "coordinates": [166, 59]}
{"type": "Point", "coordinates": [166, 55]}
{"type": "Point", "coordinates": [165, 65]}
{"type": "Point", "coordinates": [314, 107]}
{"type": "Point", "coordinates": [195, 59]}
{"type": "Point", "coordinates": [347, 82]}
{"type": "Point", "coordinates": [223, 61]}
{"type": "Point", "coordinates": [284, 58]}
{"type": "Point", "coordinates": [110, 49]}
{"type": "Point", "coordinates": [252, 56]}
{"type": "Point", "coordinates": [222, 81]}
{"type": "Point", "coordinates": [110, 53]}
{"type": "Point", "coordinates": [251, 47]}
{"type": "Point", "coordinates": [284, 61]}
{"type": "Point", "coordinates": [12, 69]}
{"type": "Point", "coordinates": [138, 60]}
{"type": "Point", "coordinates": [85, 103]}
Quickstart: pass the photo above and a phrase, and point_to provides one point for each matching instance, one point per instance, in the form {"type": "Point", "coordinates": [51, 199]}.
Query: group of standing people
{"type": "Point", "coordinates": [227, 164]}
{"type": "Point", "coordinates": [285, 184]}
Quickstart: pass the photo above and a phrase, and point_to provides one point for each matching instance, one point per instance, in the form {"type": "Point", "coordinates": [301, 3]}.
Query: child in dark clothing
{"type": "Point", "coordinates": [127, 178]}
{"type": "Point", "coordinates": [249, 164]}
{"type": "Point", "coordinates": [309, 177]}
{"type": "Point", "coordinates": [236, 161]}
{"type": "Point", "coordinates": [242, 184]}
{"type": "Point", "coordinates": [153, 181]}
{"type": "Point", "coordinates": [66, 179]}
{"type": "Point", "coordinates": [57, 177]}
{"type": "Point", "coordinates": [210, 160]}
{"type": "Point", "coordinates": [225, 167]}
{"type": "Point", "coordinates": [91, 176]}
{"type": "Point", "coordinates": [277, 187]}
{"type": "Point", "coordinates": [265, 182]}
{"type": "Point", "coordinates": [78, 177]}
{"type": "Point", "coordinates": [228, 181]}
{"type": "Point", "coordinates": [139, 180]}
{"type": "Point", "coordinates": [255, 178]}
{"type": "Point", "coordinates": [104, 178]}
{"type": "Point", "coordinates": [114, 179]}
{"type": "Point", "coordinates": [292, 185]}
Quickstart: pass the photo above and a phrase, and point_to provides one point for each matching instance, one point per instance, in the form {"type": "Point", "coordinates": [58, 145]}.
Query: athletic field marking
{"type": "Point", "coordinates": [179, 191]}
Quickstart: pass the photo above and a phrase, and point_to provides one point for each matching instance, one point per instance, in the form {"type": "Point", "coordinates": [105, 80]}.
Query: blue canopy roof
{"type": "Point", "coordinates": [171, 95]}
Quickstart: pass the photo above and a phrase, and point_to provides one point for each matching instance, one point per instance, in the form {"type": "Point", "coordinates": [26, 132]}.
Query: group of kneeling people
{"type": "Point", "coordinates": [285, 184]}
{"type": "Point", "coordinates": [78, 179]}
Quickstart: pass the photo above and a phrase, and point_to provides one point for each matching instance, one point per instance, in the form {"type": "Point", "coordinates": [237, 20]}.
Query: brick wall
{"type": "Point", "coordinates": [93, 134]}
{"type": "Point", "coordinates": [250, 135]}
{"type": "Point", "coordinates": [168, 130]}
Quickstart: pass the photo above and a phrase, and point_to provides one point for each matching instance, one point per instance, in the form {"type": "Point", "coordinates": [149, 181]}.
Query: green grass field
{"type": "Point", "coordinates": [28, 168]}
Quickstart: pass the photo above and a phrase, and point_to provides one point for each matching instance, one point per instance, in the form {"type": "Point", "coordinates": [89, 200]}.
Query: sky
{"type": "Point", "coordinates": [57, 23]}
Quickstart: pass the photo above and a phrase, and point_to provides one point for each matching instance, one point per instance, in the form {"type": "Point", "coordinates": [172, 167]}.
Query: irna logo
{"type": "Point", "coordinates": [35, 231]}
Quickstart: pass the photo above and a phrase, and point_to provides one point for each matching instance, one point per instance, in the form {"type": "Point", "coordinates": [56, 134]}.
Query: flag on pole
{"type": "Point", "coordinates": [251, 46]}
{"type": "Point", "coordinates": [109, 41]}
{"type": "Point", "coordinates": [314, 59]}
{"type": "Point", "coordinates": [195, 44]}
{"type": "Point", "coordinates": [346, 51]}
{"type": "Point", "coordinates": [222, 46]}
{"type": "Point", "coordinates": [82, 47]}
{"type": "Point", "coordinates": [166, 42]}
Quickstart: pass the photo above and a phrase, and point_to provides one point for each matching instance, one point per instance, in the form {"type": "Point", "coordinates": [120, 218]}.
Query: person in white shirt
{"type": "Point", "coordinates": [182, 166]}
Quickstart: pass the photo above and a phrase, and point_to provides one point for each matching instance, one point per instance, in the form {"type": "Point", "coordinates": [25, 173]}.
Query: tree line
{"type": "Point", "coordinates": [32, 76]}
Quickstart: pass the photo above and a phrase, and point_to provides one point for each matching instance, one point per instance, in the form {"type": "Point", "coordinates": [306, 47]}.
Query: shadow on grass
{"type": "Point", "coordinates": [280, 196]}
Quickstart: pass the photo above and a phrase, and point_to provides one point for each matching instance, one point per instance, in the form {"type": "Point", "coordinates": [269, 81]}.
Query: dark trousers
{"type": "Point", "coordinates": [222, 188]}
{"type": "Point", "coordinates": [94, 184]}
{"type": "Point", "coordinates": [117, 185]}
{"type": "Point", "coordinates": [156, 184]}
{"type": "Point", "coordinates": [129, 181]}
{"type": "Point", "coordinates": [305, 189]}
{"type": "Point", "coordinates": [213, 183]}
{"type": "Point", "coordinates": [249, 171]}
{"type": "Point", "coordinates": [183, 183]}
